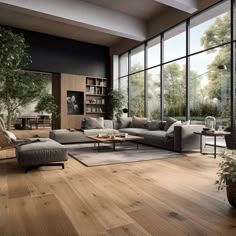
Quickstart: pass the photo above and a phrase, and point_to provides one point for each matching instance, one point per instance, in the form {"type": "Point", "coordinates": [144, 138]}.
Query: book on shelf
{"type": "Point", "coordinates": [92, 90]}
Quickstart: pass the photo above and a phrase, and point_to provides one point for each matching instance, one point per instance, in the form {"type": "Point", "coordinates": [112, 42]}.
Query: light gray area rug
{"type": "Point", "coordinates": [88, 155]}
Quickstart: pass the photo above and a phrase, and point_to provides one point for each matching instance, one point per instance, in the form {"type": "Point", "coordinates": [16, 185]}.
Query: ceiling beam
{"type": "Point", "coordinates": [189, 6]}
{"type": "Point", "coordinates": [83, 14]}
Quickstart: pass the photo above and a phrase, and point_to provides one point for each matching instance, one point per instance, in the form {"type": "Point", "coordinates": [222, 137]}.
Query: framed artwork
{"type": "Point", "coordinates": [75, 103]}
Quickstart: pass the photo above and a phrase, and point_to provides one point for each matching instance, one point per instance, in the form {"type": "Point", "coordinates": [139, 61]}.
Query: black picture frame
{"type": "Point", "coordinates": [75, 102]}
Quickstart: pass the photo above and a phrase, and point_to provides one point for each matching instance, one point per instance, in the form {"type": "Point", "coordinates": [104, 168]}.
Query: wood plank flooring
{"type": "Point", "coordinates": [174, 196]}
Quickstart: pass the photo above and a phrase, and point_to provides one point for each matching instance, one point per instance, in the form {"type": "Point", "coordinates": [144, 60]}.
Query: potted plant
{"type": "Point", "coordinates": [227, 175]}
{"type": "Point", "coordinates": [117, 99]}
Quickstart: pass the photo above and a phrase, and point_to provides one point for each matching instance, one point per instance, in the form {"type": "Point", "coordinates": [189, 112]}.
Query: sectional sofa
{"type": "Point", "coordinates": [178, 137]}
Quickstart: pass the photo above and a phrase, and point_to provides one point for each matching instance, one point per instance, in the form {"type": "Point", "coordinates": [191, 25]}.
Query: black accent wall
{"type": "Point", "coordinates": [60, 55]}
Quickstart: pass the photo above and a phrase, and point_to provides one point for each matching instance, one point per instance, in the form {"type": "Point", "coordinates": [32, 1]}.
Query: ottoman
{"type": "Point", "coordinates": [37, 152]}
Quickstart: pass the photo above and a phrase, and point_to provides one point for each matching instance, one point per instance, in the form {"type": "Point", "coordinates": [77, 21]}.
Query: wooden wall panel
{"type": "Point", "coordinates": [73, 83]}
{"type": "Point", "coordinates": [56, 92]}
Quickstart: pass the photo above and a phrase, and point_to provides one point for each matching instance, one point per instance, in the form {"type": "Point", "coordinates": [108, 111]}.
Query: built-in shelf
{"type": "Point", "coordinates": [96, 92]}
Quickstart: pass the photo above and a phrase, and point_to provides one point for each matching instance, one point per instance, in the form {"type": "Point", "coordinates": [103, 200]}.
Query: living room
{"type": "Point", "coordinates": [151, 72]}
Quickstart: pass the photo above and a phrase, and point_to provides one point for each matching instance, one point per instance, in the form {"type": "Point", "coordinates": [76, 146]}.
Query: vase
{"type": "Point", "coordinates": [231, 193]}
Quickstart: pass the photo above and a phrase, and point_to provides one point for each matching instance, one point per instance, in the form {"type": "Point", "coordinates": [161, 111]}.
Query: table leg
{"type": "Point", "coordinates": [200, 143]}
{"type": "Point", "coordinates": [137, 146]}
{"type": "Point", "coordinates": [214, 146]}
{"type": "Point", "coordinates": [114, 146]}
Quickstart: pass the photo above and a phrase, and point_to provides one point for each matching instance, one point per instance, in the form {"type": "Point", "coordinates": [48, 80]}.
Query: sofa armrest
{"type": "Point", "coordinates": [185, 140]}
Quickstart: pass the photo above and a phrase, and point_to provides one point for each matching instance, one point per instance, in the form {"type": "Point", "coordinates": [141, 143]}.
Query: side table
{"type": "Point", "coordinates": [214, 134]}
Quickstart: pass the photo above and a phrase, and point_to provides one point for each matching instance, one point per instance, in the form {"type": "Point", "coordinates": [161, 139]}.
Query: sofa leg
{"type": "Point", "coordinates": [47, 164]}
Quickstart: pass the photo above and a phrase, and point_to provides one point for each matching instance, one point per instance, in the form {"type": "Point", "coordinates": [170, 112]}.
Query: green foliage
{"type": "Point", "coordinates": [137, 92]}
{"type": "Point", "coordinates": [47, 104]}
{"type": "Point", "coordinates": [117, 99]}
{"type": "Point", "coordinates": [174, 85]}
{"type": "Point", "coordinates": [12, 48]}
{"type": "Point", "coordinates": [227, 169]}
{"type": "Point", "coordinates": [219, 80]}
{"type": "Point", "coordinates": [205, 109]}
{"type": "Point", "coordinates": [18, 88]}
{"type": "Point", "coordinates": [217, 33]}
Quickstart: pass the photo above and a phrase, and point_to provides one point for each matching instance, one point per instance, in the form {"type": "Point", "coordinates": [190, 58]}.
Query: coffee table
{"type": "Point", "coordinates": [114, 140]}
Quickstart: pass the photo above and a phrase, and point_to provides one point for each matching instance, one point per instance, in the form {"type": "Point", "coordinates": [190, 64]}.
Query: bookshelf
{"type": "Point", "coordinates": [96, 92]}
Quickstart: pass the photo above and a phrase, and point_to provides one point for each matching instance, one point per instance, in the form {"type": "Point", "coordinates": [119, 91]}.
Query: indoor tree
{"type": "Point", "coordinates": [117, 100]}
{"type": "Point", "coordinates": [18, 87]}
{"type": "Point", "coordinates": [47, 104]}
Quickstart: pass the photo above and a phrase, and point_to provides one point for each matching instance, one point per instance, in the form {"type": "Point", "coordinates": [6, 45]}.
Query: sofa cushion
{"type": "Point", "coordinates": [88, 132]}
{"type": "Point", "coordinates": [108, 124]}
{"type": "Point", "coordinates": [133, 131]}
{"type": "Point", "coordinates": [94, 123]}
{"type": "Point", "coordinates": [155, 125]}
{"type": "Point", "coordinates": [138, 122]}
{"type": "Point", "coordinates": [169, 122]}
{"type": "Point", "coordinates": [171, 128]}
{"type": "Point", "coordinates": [157, 134]}
{"type": "Point", "coordinates": [124, 122]}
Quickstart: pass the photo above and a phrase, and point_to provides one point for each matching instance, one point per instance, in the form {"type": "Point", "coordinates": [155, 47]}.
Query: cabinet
{"type": "Point", "coordinates": [96, 92]}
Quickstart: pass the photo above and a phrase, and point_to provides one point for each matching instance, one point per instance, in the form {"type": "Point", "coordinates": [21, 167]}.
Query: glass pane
{"type": "Point", "coordinates": [124, 64]}
{"type": "Point", "coordinates": [153, 93]}
{"type": "Point", "coordinates": [210, 85]}
{"type": "Point", "coordinates": [175, 89]}
{"type": "Point", "coordinates": [137, 94]}
{"type": "Point", "coordinates": [210, 28]}
{"type": "Point", "coordinates": [124, 89]}
{"type": "Point", "coordinates": [153, 52]}
{"type": "Point", "coordinates": [137, 59]}
{"type": "Point", "coordinates": [175, 43]}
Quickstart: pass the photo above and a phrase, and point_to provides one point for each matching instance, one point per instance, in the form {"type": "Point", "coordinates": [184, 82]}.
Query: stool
{"type": "Point", "coordinates": [40, 152]}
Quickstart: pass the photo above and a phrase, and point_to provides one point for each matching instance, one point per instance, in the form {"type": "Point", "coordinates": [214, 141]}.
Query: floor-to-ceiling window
{"type": "Point", "coordinates": [174, 76]}
{"type": "Point", "coordinates": [153, 78]}
{"type": "Point", "coordinates": [185, 72]}
{"type": "Point", "coordinates": [209, 90]}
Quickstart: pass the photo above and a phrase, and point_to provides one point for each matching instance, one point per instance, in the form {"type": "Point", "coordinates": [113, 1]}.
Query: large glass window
{"type": "Point", "coordinates": [153, 52]}
{"type": "Point", "coordinates": [175, 89]}
{"type": "Point", "coordinates": [209, 91]}
{"type": "Point", "coordinates": [210, 28]}
{"type": "Point", "coordinates": [153, 93]}
{"type": "Point", "coordinates": [123, 68]}
{"type": "Point", "coordinates": [137, 59]}
{"type": "Point", "coordinates": [175, 43]}
{"type": "Point", "coordinates": [136, 94]}
{"type": "Point", "coordinates": [209, 69]}
{"type": "Point", "coordinates": [124, 88]}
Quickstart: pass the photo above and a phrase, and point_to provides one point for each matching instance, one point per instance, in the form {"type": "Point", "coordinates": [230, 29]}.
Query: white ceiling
{"type": "Point", "coordinates": [143, 9]}
{"type": "Point", "coordinates": [102, 22]}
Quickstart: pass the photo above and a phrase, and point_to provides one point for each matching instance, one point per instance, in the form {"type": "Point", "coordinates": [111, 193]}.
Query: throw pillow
{"type": "Point", "coordinates": [138, 122]}
{"type": "Point", "coordinates": [187, 122]}
{"type": "Point", "coordinates": [169, 122]}
{"type": "Point", "coordinates": [9, 135]}
{"type": "Point", "coordinates": [94, 123]}
{"type": "Point", "coordinates": [171, 128]}
{"type": "Point", "coordinates": [154, 125]}
{"type": "Point", "coordinates": [124, 122]}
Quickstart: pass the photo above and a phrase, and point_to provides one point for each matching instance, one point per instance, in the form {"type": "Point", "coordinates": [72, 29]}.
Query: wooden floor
{"type": "Point", "coordinates": [161, 197]}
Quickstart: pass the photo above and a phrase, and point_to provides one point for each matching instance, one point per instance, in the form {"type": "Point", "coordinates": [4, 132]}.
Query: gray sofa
{"type": "Point", "coordinates": [182, 139]}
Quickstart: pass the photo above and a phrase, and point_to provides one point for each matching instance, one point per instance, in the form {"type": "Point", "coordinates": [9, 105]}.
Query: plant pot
{"type": "Point", "coordinates": [231, 193]}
